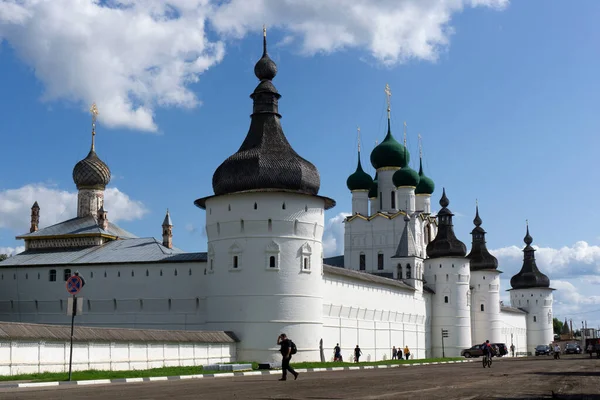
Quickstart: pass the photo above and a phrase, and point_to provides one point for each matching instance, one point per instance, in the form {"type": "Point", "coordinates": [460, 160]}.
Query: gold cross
{"type": "Point", "coordinates": [404, 133]}
{"type": "Point", "coordinates": [358, 129]}
{"type": "Point", "coordinates": [388, 94]}
{"type": "Point", "coordinates": [94, 111]}
{"type": "Point", "coordinates": [420, 146]}
{"type": "Point", "coordinates": [264, 30]}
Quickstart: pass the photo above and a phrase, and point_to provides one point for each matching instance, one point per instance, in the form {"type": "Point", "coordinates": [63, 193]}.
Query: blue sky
{"type": "Point", "coordinates": [505, 96]}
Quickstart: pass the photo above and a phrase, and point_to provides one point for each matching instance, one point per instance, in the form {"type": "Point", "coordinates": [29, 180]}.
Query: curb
{"type": "Point", "coordinates": [204, 376]}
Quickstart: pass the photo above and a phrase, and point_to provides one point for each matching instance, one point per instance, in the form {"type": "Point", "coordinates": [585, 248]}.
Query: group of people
{"type": "Point", "coordinates": [397, 353]}
{"type": "Point", "coordinates": [337, 353]}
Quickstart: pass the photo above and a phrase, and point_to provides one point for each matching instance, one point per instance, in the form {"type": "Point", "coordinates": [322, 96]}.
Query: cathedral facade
{"type": "Point", "coordinates": [403, 279]}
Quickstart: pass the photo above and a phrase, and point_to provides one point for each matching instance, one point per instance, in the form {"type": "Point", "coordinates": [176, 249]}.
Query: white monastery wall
{"type": "Point", "coordinates": [27, 356]}
{"type": "Point", "coordinates": [449, 277]}
{"type": "Point", "coordinates": [514, 331]}
{"type": "Point", "coordinates": [258, 300]}
{"type": "Point", "coordinates": [538, 304]}
{"type": "Point", "coordinates": [486, 322]}
{"type": "Point", "coordinates": [152, 296]}
{"type": "Point", "coordinates": [374, 316]}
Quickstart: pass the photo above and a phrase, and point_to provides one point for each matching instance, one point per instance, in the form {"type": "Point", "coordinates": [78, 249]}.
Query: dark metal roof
{"type": "Point", "coordinates": [364, 276]}
{"type": "Point", "coordinates": [18, 330]}
{"type": "Point", "coordinates": [335, 261]}
{"type": "Point", "coordinates": [265, 160]}
{"type": "Point", "coordinates": [513, 310]}
{"type": "Point", "coordinates": [445, 243]}
{"type": "Point", "coordinates": [529, 276]}
{"type": "Point", "coordinates": [407, 246]}
{"type": "Point", "coordinates": [138, 250]}
{"type": "Point", "coordinates": [78, 226]}
{"type": "Point", "coordinates": [480, 258]}
{"type": "Point", "coordinates": [91, 172]}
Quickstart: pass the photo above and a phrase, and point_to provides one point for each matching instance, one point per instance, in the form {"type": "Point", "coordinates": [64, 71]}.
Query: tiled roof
{"type": "Point", "coordinates": [138, 250]}
{"type": "Point", "coordinates": [79, 226]}
{"type": "Point", "coordinates": [364, 276]}
{"type": "Point", "coordinates": [512, 309]}
{"type": "Point", "coordinates": [17, 330]}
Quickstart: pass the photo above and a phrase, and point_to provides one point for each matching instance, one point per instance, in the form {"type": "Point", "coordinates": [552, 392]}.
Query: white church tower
{"type": "Point", "coordinates": [485, 288]}
{"type": "Point", "coordinates": [265, 227]}
{"type": "Point", "coordinates": [447, 273]}
{"type": "Point", "coordinates": [531, 292]}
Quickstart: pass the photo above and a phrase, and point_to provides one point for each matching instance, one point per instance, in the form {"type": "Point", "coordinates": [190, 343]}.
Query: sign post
{"type": "Point", "coordinates": [74, 285]}
{"type": "Point", "coordinates": [444, 335]}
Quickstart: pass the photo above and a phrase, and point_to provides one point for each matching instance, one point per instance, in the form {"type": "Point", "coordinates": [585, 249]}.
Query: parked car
{"type": "Point", "coordinates": [572, 348]}
{"type": "Point", "coordinates": [542, 350]}
{"type": "Point", "coordinates": [476, 351]}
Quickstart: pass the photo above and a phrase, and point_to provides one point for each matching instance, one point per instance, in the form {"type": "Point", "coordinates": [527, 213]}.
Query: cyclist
{"type": "Point", "coordinates": [488, 350]}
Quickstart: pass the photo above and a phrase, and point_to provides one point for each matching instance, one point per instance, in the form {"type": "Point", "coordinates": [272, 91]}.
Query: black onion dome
{"type": "Point", "coordinates": [91, 172]}
{"type": "Point", "coordinates": [529, 276]}
{"type": "Point", "coordinates": [266, 160]}
{"type": "Point", "coordinates": [480, 258]}
{"type": "Point", "coordinates": [445, 243]}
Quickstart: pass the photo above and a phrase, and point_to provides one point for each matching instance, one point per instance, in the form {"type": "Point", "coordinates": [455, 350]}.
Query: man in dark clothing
{"type": "Point", "coordinates": [286, 352]}
{"type": "Point", "coordinates": [357, 353]}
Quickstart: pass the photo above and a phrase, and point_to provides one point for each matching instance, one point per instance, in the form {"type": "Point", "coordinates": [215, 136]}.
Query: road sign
{"type": "Point", "coordinates": [74, 284]}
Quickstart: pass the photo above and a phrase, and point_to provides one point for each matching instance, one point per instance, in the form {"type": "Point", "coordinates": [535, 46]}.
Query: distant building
{"type": "Point", "coordinates": [403, 279]}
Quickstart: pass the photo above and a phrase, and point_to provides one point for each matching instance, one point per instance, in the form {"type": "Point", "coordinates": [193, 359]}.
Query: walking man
{"type": "Point", "coordinates": [357, 353]}
{"type": "Point", "coordinates": [286, 352]}
{"type": "Point", "coordinates": [512, 349]}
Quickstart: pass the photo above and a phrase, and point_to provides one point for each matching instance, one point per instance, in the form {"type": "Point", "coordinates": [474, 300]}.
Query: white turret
{"type": "Point", "coordinates": [485, 289]}
{"type": "Point", "coordinates": [447, 272]}
{"type": "Point", "coordinates": [265, 228]}
{"type": "Point", "coordinates": [531, 292]}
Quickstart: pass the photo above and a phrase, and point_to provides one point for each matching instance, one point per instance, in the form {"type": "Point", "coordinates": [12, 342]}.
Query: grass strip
{"type": "Point", "coordinates": [177, 371]}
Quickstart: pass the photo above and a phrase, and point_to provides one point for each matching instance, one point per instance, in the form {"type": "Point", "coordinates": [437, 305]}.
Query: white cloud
{"type": "Point", "coordinates": [127, 56]}
{"type": "Point", "coordinates": [58, 205]}
{"type": "Point", "coordinates": [132, 56]}
{"type": "Point", "coordinates": [333, 237]}
{"type": "Point", "coordinates": [392, 31]}
{"type": "Point", "coordinates": [11, 251]}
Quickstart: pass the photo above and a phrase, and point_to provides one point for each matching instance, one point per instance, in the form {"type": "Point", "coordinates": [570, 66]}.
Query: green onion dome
{"type": "Point", "coordinates": [389, 153]}
{"type": "Point", "coordinates": [426, 185]}
{"type": "Point", "coordinates": [406, 176]}
{"type": "Point", "coordinates": [359, 180]}
{"type": "Point", "coordinates": [373, 189]}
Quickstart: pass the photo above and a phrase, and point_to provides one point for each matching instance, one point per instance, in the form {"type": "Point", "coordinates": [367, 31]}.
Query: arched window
{"type": "Point", "coordinates": [255, 206]}
{"type": "Point", "coordinates": [399, 271]}
{"type": "Point", "coordinates": [380, 201]}
{"type": "Point", "coordinates": [362, 262]}
{"type": "Point", "coordinates": [283, 206]}
{"type": "Point", "coordinates": [482, 307]}
{"type": "Point", "coordinates": [305, 262]}
{"type": "Point", "coordinates": [447, 277]}
{"type": "Point", "coordinates": [380, 261]}
{"type": "Point", "coordinates": [408, 271]}
{"type": "Point", "coordinates": [242, 225]}
{"type": "Point", "coordinates": [393, 199]}
{"type": "Point", "coordinates": [446, 299]}
{"type": "Point", "coordinates": [235, 261]}
{"type": "Point", "coordinates": [272, 262]}
{"type": "Point", "coordinates": [534, 318]}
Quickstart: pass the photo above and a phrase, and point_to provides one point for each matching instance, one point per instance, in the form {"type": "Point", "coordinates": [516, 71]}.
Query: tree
{"type": "Point", "coordinates": [3, 257]}
{"type": "Point", "coordinates": [557, 325]}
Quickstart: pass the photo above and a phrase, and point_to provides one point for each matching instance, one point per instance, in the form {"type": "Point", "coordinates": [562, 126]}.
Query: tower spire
{"type": "Point", "coordinates": [388, 94]}
{"type": "Point", "coordinates": [358, 129]}
{"type": "Point", "coordinates": [405, 134]}
{"type": "Point", "coordinates": [94, 112]}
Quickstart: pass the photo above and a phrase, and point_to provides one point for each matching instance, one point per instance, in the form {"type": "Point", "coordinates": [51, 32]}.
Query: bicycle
{"type": "Point", "coordinates": [487, 360]}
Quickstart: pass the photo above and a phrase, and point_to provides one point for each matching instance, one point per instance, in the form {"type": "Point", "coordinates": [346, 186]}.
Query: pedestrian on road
{"type": "Point", "coordinates": [557, 352]}
{"type": "Point", "coordinates": [394, 353]}
{"type": "Point", "coordinates": [512, 349]}
{"type": "Point", "coordinates": [590, 349]}
{"type": "Point", "coordinates": [357, 353]}
{"type": "Point", "coordinates": [337, 353]}
{"type": "Point", "coordinates": [286, 353]}
{"type": "Point", "coordinates": [406, 352]}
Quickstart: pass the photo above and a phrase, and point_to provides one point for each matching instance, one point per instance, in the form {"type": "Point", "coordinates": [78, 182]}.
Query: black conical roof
{"type": "Point", "coordinates": [480, 258]}
{"type": "Point", "coordinates": [266, 160]}
{"type": "Point", "coordinates": [529, 276]}
{"type": "Point", "coordinates": [445, 243]}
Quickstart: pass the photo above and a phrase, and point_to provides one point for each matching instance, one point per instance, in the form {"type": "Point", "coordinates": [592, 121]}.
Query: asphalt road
{"type": "Point", "coordinates": [572, 377]}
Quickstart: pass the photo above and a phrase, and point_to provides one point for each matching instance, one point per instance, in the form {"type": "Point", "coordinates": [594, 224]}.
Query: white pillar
{"type": "Point", "coordinates": [386, 190]}
{"type": "Point", "coordinates": [423, 203]}
{"type": "Point", "coordinates": [406, 198]}
{"type": "Point", "coordinates": [360, 202]}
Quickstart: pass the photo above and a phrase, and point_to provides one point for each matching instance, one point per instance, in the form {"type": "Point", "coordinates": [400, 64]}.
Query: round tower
{"type": "Point", "coordinates": [91, 175]}
{"type": "Point", "coordinates": [265, 226]}
{"type": "Point", "coordinates": [447, 272]}
{"type": "Point", "coordinates": [485, 288]}
{"type": "Point", "coordinates": [531, 292]}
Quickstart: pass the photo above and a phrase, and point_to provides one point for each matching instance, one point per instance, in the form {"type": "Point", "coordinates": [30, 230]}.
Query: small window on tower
{"type": "Point", "coordinates": [408, 271]}
{"type": "Point", "coordinates": [393, 199]}
{"type": "Point", "coordinates": [399, 271]}
{"type": "Point", "coordinates": [283, 206]}
{"type": "Point", "coordinates": [482, 307]}
{"type": "Point", "coordinates": [272, 262]}
{"type": "Point", "coordinates": [534, 318]}
{"type": "Point", "coordinates": [235, 261]}
{"type": "Point", "coordinates": [362, 263]}
{"type": "Point", "coordinates": [446, 300]}
{"type": "Point", "coordinates": [255, 206]}
{"type": "Point", "coordinates": [305, 266]}
{"type": "Point", "coordinates": [270, 225]}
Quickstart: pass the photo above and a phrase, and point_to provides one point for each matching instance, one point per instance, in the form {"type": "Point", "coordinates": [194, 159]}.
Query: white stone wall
{"type": "Point", "coordinates": [374, 316]}
{"type": "Point", "coordinates": [486, 322]}
{"type": "Point", "coordinates": [423, 203]}
{"type": "Point", "coordinates": [360, 202]}
{"type": "Point", "coordinates": [255, 300]}
{"type": "Point", "coordinates": [152, 296]}
{"type": "Point", "coordinates": [449, 277]}
{"type": "Point", "coordinates": [538, 304]}
{"type": "Point", "coordinates": [514, 331]}
{"type": "Point", "coordinates": [89, 201]}
{"type": "Point", "coordinates": [27, 356]}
